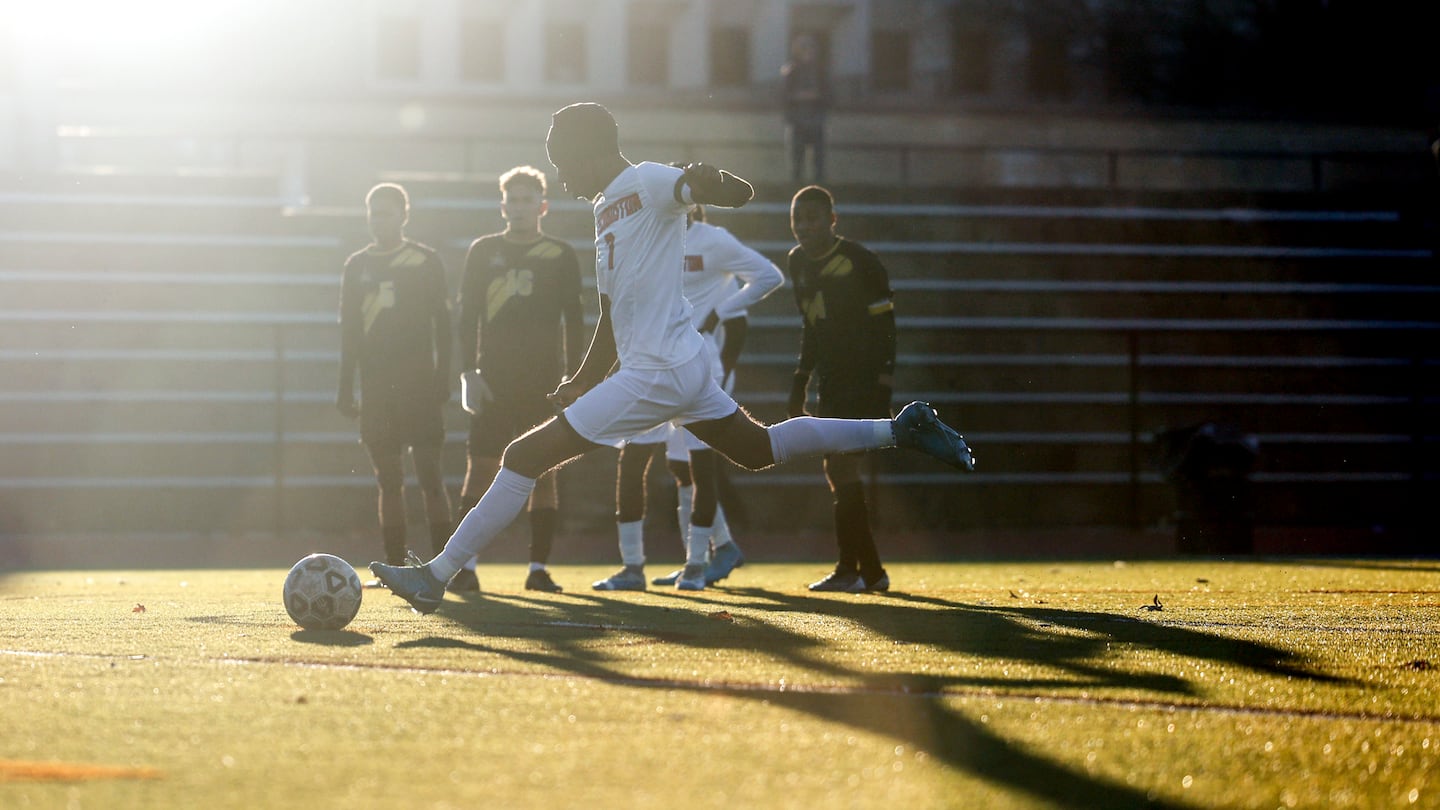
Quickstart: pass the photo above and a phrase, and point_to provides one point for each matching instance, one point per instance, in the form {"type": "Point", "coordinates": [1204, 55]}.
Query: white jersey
{"type": "Point", "coordinates": [639, 262]}
{"type": "Point", "coordinates": [714, 261]}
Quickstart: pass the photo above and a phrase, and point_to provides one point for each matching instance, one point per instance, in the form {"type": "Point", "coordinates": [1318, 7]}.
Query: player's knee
{"type": "Point", "coordinates": [753, 451]}
{"type": "Point", "coordinates": [524, 456]}
{"type": "Point", "coordinates": [742, 440]}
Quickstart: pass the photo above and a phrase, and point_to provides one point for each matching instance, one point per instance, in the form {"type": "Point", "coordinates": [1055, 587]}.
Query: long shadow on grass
{"type": "Point", "coordinates": [595, 637]}
{"type": "Point", "coordinates": [1033, 635]}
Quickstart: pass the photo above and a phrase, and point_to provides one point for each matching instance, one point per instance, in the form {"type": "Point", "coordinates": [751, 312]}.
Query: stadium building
{"type": "Point", "coordinates": [1104, 220]}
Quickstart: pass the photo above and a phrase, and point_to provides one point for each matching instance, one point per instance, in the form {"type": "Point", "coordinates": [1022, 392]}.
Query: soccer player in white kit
{"type": "Point", "coordinates": [661, 371]}
{"type": "Point", "coordinates": [723, 279]}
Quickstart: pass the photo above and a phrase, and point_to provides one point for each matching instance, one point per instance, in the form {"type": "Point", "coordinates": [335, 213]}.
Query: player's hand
{"type": "Point", "coordinates": [711, 321]}
{"type": "Point", "coordinates": [702, 176]}
{"type": "Point", "coordinates": [346, 405]}
{"type": "Point", "coordinates": [566, 393]}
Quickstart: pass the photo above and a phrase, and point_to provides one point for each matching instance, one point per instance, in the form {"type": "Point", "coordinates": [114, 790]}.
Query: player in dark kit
{"type": "Point", "coordinates": [848, 344]}
{"type": "Point", "coordinates": [520, 289]}
{"type": "Point", "coordinates": [395, 329]}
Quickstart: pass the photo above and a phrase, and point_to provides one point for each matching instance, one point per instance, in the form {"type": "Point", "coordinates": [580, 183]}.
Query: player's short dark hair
{"type": "Point", "coordinates": [394, 191]}
{"type": "Point", "coordinates": [523, 176]}
{"type": "Point", "coordinates": [814, 194]}
{"type": "Point", "coordinates": [580, 131]}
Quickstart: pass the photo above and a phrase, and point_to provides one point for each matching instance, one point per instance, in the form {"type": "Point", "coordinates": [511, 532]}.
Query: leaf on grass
{"type": "Point", "coordinates": [1014, 595]}
{"type": "Point", "coordinates": [1419, 665]}
{"type": "Point", "coordinates": [1202, 580]}
{"type": "Point", "coordinates": [722, 615]}
{"type": "Point", "coordinates": [1155, 605]}
{"type": "Point", "coordinates": [139, 608]}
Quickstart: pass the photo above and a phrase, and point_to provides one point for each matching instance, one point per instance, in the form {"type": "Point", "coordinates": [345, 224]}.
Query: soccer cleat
{"type": "Point", "coordinates": [918, 426]}
{"type": "Point", "coordinates": [723, 560]}
{"type": "Point", "coordinates": [692, 578]}
{"type": "Point", "coordinates": [539, 580]}
{"type": "Point", "coordinates": [464, 581]}
{"type": "Point", "coordinates": [668, 579]}
{"type": "Point", "coordinates": [414, 584]}
{"type": "Point", "coordinates": [878, 583]}
{"type": "Point", "coordinates": [629, 578]}
{"type": "Point", "coordinates": [840, 582]}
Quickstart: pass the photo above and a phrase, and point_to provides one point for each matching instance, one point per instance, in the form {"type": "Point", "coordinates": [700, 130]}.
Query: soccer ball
{"type": "Point", "coordinates": [322, 592]}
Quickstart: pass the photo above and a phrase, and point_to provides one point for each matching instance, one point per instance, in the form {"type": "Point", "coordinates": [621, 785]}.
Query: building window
{"type": "Point", "coordinates": [482, 50]}
{"type": "Point", "coordinates": [397, 48]}
{"type": "Point", "coordinates": [971, 52]}
{"type": "Point", "coordinates": [729, 56]}
{"type": "Point", "coordinates": [649, 54]}
{"type": "Point", "coordinates": [890, 60]}
{"type": "Point", "coordinates": [1047, 71]}
{"type": "Point", "coordinates": [565, 52]}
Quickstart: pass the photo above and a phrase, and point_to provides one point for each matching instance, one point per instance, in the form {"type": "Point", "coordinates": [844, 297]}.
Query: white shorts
{"type": "Point", "coordinates": [678, 441]}
{"type": "Point", "coordinates": [633, 400]}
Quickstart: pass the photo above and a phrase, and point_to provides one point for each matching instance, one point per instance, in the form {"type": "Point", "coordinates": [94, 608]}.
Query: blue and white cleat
{"type": "Point", "coordinates": [415, 584]}
{"type": "Point", "coordinates": [723, 560]}
{"type": "Point", "coordinates": [917, 426]}
{"type": "Point", "coordinates": [692, 578]}
{"type": "Point", "coordinates": [669, 579]}
{"type": "Point", "coordinates": [629, 578]}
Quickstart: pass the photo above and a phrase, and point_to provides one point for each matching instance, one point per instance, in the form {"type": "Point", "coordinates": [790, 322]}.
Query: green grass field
{"type": "Point", "coordinates": [1272, 683]}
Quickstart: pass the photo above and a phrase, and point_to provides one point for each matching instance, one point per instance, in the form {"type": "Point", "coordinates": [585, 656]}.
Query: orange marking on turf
{"type": "Point", "coordinates": [19, 770]}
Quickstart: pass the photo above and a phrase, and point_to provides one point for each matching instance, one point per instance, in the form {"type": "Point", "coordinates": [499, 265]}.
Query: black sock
{"type": "Point", "coordinates": [852, 532]}
{"type": "Point", "coordinates": [394, 538]}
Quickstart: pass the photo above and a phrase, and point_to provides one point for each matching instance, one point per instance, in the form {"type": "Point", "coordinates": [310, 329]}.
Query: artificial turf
{"type": "Point", "coordinates": [1196, 683]}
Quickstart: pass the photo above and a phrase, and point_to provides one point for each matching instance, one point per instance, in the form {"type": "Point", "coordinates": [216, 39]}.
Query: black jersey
{"type": "Point", "coordinates": [845, 301]}
{"type": "Point", "coordinates": [395, 322]}
{"type": "Point", "coordinates": [513, 297]}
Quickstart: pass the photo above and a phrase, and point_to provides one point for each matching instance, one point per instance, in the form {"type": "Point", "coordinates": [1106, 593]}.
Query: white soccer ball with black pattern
{"type": "Point", "coordinates": [322, 592]}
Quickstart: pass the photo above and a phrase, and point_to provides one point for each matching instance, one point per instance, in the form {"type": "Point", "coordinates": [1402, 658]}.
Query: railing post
{"type": "Point", "coordinates": [1132, 348]}
{"type": "Point", "coordinates": [278, 449]}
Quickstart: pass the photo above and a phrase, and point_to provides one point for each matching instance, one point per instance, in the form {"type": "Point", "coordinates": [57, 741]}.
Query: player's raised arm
{"type": "Point", "coordinates": [710, 185]}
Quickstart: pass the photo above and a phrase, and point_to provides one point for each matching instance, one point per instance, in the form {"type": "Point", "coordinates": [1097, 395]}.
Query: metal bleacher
{"type": "Point", "coordinates": [168, 352]}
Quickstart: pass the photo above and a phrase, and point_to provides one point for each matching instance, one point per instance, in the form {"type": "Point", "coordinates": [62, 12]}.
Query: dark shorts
{"type": "Point", "coordinates": [843, 399]}
{"type": "Point", "coordinates": [513, 411]}
{"type": "Point", "coordinates": [393, 423]}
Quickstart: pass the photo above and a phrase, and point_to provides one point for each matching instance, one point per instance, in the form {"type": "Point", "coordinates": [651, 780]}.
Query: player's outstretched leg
{"type": "Point", "coordinates": [917, 426]}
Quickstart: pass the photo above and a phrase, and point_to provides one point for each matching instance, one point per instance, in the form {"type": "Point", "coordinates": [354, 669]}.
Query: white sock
{"type": "Point", "coordinates": [632, 542]}
{"type": "Point", "coordinates": [697, 548]}
{"type": "Point", "coordinates": [534, 566]}
{"type": "Point", "coordinates": [722, 528]}
{"type": "Point", "coordinates": [500, 505]}
{"type": "Point", "coordinates": [813, 436]}
{"type": "Point", "coordinates": [686, 496]}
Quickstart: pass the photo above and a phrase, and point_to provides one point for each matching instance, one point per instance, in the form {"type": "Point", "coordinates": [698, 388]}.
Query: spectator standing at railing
{"type": "Point", "coordinates": [395, 331]}
{"type": "Point", "coordinates": [805, 97]}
